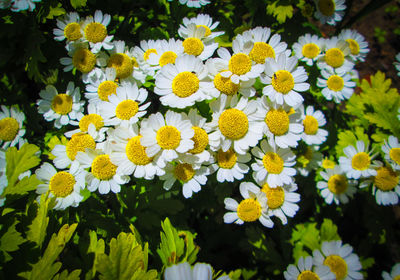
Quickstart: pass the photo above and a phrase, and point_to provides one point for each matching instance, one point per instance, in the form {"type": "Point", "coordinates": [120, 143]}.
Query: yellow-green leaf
{"type": "Point", "coordinates": [11, 240]}
{"type": "Point", "coordinates": [74, 275]}
{"type": "Point", "coordinates": [281, 13]}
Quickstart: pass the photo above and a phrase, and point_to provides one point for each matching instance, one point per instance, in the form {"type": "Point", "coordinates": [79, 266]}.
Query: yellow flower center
{"type": "Point", "coordinates": [360, 161]}
{"type": "Point", "coordinates": [184, 172]}
{"type": "Point", "coordinates": [334, 57]}
{"type": "Point", "coordinates": [167, 57]}
{"type": "Point", "coordinates": [225, 85]}
{"type": "Point", "coordinates": [328, 164]}
{"type": "Point", "coordinates": [282, 81]}
{"type": "Point", "coordinates": [103, 168]}
{"type": "Point", "coordinates": [193, 46]}
{"type": "Point", "coordinates": [327, 7]}
{"type": "Point", "coordinates": [168, 137]}
{"type": "Point", "coordinates": [386, 179]}
{"type": "Point", "coordinates": [277, 121]}
{"type": "Point", "coordinates": [78, 143]}
{"type": "Point", "coordinates": [62, 104]}
{"type": "Point", "coordinates": [335, 83]}
{"type": "Point", "coordinates": [397, 277]}
{"type": "Point", "coordinates": [126, 109]}
{"type": "Point", "coordinates": [310, 50]}
{"type": "Point", "coordinates": [200, 140]}
{"type": "Point", "coordinates": [208, 31]}
{"type": "Point", "coordinates": [84, 60]}
{"type": "Point", "coordinates": [307, 275]}
{"type": "Point", "coordinates": [273, 163]}
{"type": "Point", "coordinates": [240, 64]}
{"type": "Point", "coordinates": [233, 124]}
{"type": "Point", "coordinates": [261, 51]}
{"type": "Point", "coordinates": [95, 119]}
{"type": "Point", "coordinates": [394, 154]}
{"type": "Point", "coordinates": [249, 210]}
{"type": "Point", "coordinates": [122, 63]}
{"type": "Point", "coordinates": [95, 32]}
{"type": "Point", "coordinates": [337, 265]}
{"type": "Point", "coordinates": [354, 46]}
{"type": "Point", "coordinates": [147, 53]}
{"type": "Point", "coordinates": [185, 84]}
{"type": "Point", "coordinates": [8, 129]}
{"type": "Point", "coordinates": [72, 31]}
{"type": "Point", "coordinates": [275, 196]}
{"type": "Point", "coordinates": [337, 184]}
{"type": "Point", "coordinates": [226, 159]}
{"type": "Point", "coordinates": [136, 153]}
{"type": "Point", "coordinates": [62, 184]}
{"type": "Point", "coordinates": [310, 125]}
{"type": "Point", "coordinates": [105, 89]}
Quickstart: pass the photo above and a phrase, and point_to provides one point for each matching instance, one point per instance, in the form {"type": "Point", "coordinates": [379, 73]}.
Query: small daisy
{"type": "Point", "coordinates": [357, 161]}
{"type": "Point", "coordinates": [194, 3]}
{"type": "Point", "coordinates": [22, 5]}
{"type": "Point", "coordinates": [65, 186]}
{"type": "Point", "coordinates": [182, 84]}
{"type": "Point", "coordinates": [61, 107]}
{"type": "Point", "coordinates": [234, 124]}
{"type": "Point", "coordinates": [307, 271]}
{"type": "Point", "coordinates": [95, 31]}
{"type": "Point", "coordinates": [125, 107]}
{"type": "Point", "coordinates": [101, 85]}
{"type": "Point", "coordinates": [103, 173]}
{"type": "Point", "coordinates": [391, 148]}
{"type": "Point", "coordinates": [167, 53]}
{"type": "Point", "coordinates": [394, 274]}
{"type": "Point", "coordinates": [329, 11]}
{"type": "Point", "coordinates": [336, 86]}
{"type": "Point", "coordinates": [11, 126]}
{"type": "Point", "coordinates": [357, 44]}
{"type": "Point", "coordinates": [397, 66]}
{"type": "Point", "coordinates": [143, 52]}
{"type": "Point", "coordinates": [336, 187]}
{"type": "Point", "coordinates": [128, 154]}
{"type": "Point", "coordinates": [273, 165]}
{"type": "Point", "coordinates": [230, 165]}
{"type": "Point", "coordinates": [312, 121]}
{"type": "Point", "coordinates": [340, 259]}
{"type": "Point", "coordinates": [69, 27]}
{"type": "Point", "coordinates": [308, 48]}
{"type": "Point", "coordinates": [252, 208]}
{"type": "Point", "coordinates": [183, 271]}
{"type": "Point", "coordinates": [309, 160]}
{"type": "Point", "coordinates": [284, 81]}
{"type": "Point", "coordinates": [201, 20]}
{"type": "Point", "coordinates": [336, 55]}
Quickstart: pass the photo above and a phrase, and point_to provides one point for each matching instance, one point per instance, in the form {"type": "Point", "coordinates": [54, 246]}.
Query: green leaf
{"type": "Point", "coordinates": [11, 240]}
{"type": "Point", "coordinates": [172, 246]}
{"type": "Point", "coordinates": [329, 231]}
{"type": "Point", "coordinates": [281, 13]}
{"type": "Point", "coordinates": [74, 275]}
{"type": "Point", "coordinates": [78, 3]}
{"type": "Point", "coordinates": [55, 11]}
{"type": "Point", "coordinates": [22, 187]}
{"type": "Point", "coordinates": [96, 247]}
{"type": "Point", "coordinates": [304, 235]}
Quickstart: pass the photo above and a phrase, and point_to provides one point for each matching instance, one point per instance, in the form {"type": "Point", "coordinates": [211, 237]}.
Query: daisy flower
{"type": "Point", "coordinates": [201, 20]}
{"type": "Point", "coordinates": [309, 160]}
{"type": "Point", "coordinates": [61, 107]}
{"type": "Point", "coordinates": [312, 121]}
{"type": "Point", "coordinates": [194, 3]}
{"type": "Point", "coordinates": [68, 27]}
{"type": "Point", "coordinates": [143, 52]}
{"type": "Point", "coordinates": [182, 84]}
{"type": "Point", "coordinates": [252, 208]}
{"type": "Point", "coordinates": [306, 270]}
{"type": "Point", "coordinates": [126, 106]}
{"type": "Point", "coordinates": [335, 55]}
{"type": "Point", "coordinates": [95, 31]}
{"type": "Point", "coordinates": [183, 271]}
{"type": "Point", "coordinates": [230, 165]}
{"type": "Point", "coordinates": [397, 66]}
{"type": "Point", "coordinates": [234, 124]}
{"type": "Point", "coordinates": [11, 126]}
{"type": "Point", "coordinates": [357, 161]}
{"type": "Point", "coordinates": [281, 125]}
{"type": "Point", "coordinates": [308, 48]}
{"type": "Point", "coordinates": [329, 11]}
{"type": "Point", "coordinates": [394, 274]}
{"type": "Point", "coordinates": [335, 86]}
{"type": "Point", "coordinates": [101, 85]}
{"type": "Point", "coordinates": [391, 148]}
{"type": "Point", "coordinates": [165, 137]}
{"type": "Point", "coordinates": [336, 187]}
{"type": "Point", "coordinates": [273, 165]}
{"type": "Point", "coordinates": [128, 154]}
{"type": "Point", "coordinates": [166, 53]}
{"type": "Point", "coordinates": [284, 81]}
{"type": "Point", "coordinates": [65, 186]}
{"type": "Point", "coordinates": [259, 45]}
{"type": "Point", "coordinates": [22, 5]}
{"type": "Point", "coordinates": [340, 259]}
{"type": "Point", "coordinates": [103, 173]}
{"type": "Point", "coordinates": [357, 44]}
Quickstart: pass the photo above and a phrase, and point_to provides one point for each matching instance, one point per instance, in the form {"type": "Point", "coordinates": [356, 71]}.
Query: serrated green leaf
{"type": "Point", "coordinates": [74, 275]}
{"type": "Point", "coordinates": [281, 13]}
{"type": "Point", "coordinates": [97, 247]}
{"type": "Point", "coordinates": [304, 235]}
{"type": "Point", "coordinates": [329, 231]}
{"type": "Point", "coordinates": [78, 3]}
{"type": "Point", "coordinates": [55, 11]}
{"type": "Point", "coordinates": [37, 230]}
{"type": "Point", "coordinates": [11, 240]}
{"type": "Point", "coordinates": [24, 186]}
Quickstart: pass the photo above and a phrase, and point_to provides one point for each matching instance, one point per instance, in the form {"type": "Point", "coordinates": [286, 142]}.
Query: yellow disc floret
{"type": "Point", "coordinates": [167, 57]}
{"type": "Point", "coordinates": [249, 210]}
{"type": "Point", "coordinates": [337, 265]}
{"type": "Point", "coordinates": [354, 46]}
{"type": "Point", "coordinates": [337, 184]}
{"type": "Point", "coordinates": [208, 31]}
{"type": "Point", "coordinates": [327, 7]}
{"type": "Point", "coordinates": [310, 50]}
{"type": "Point", "coordinates": [168, 137]}
{"type": "Point", "coordinates": [335, 83]}
{"type": "Point", "coordinates": [193, 46]}
{"type": "Point", "coordinates": [185, 84]}
{"type": "Point", "coordinates": [240, 64]}
{"type": "Point", "coordinates": [261, 51]}
{"type": "Point", "coordinates": [360, 161]}
{"type": "Point", "coordinates": [334, 57]}
{"type": "Point", "coordinates": [122, 63]}
{"type": "Point", "coordinates": [147, 53]}
{"type": "Point", "coordinates": [84, 60]}
{"type": "Point", "coordinates": [226, 160]}
{"type": "Point", "coordinates": [78, 143]}
{"type": "Point", "coordinates": [136, 153]}
{"type": "Point", "coordinates": [386, 179]}
{"type": "Point", "coordinates": [72, 31]}
{"type": "Point", "coordinates": [126, 109]}
{"type": "Point", "coordinates": [275, 196]}
{"type": "Point", "coordinates": [310, 125]}
{"type": "Point", "coordinates": [8, 129]}
{"type": "Point", "coordinates": [106, 89]}
{"type": "Point", "coordinates": [233, 124]}
{"type": "Point", "coordinates": [328, 164]}
{"type": "Point", "coordinates": [62, 184]}
{"type": "Point", "coordinates": [307, 275]}
{"type": "Point", "coordinates": [184, 172]}
{"type": "Point", "coordinates": [394, 154]}
{"type": "Point", "coordinates": [95, 32]}
{"type": "Point", "coordinates": [103, 168]}
{"type": "Point", "coordinates": [62, 104]}
{"type": "Point", "coordinates": [86, 120]}
{"type": "Point", "coordinates": [200, 140]}
{"type": "Point", "coordinates": [277, 121]}
{"type": "Point", "coordinates": [282, 81]}
{"type": "Point", "coordinates": [273, 163]}
{"type": "Point", "coordinates": [225, 85]}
